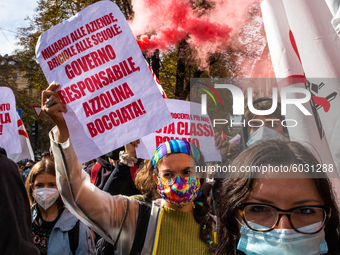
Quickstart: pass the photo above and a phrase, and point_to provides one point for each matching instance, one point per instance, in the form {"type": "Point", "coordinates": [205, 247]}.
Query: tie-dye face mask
{"type": "Point", "coordinates": [178, 190]}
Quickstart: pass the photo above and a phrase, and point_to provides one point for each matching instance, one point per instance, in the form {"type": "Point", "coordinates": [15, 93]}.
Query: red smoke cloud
{"type": "Point", "coordinates": [169, 21]}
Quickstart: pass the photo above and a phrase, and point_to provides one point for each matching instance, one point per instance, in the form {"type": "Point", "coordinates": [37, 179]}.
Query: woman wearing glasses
{"type": "Point", "coordinates": [277, 213]}
{"type": "Point", "coordinates": [178, 223]}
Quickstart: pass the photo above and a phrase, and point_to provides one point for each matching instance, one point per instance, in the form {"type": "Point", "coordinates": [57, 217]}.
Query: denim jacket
{"type": "Point", "coordinates": [58, 241]}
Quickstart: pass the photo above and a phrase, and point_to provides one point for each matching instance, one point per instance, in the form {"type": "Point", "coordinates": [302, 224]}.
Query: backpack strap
{"type": "Point", "coordinates": [94, 172]}
{"type": "Point", "coordinates": [153, 227]}
{"type": "Point", "coordinates": [142, 226]}
{"type": "Point", "coordinates": [73, 238]}
{"type": "Point", "coordinates": [121, 226]}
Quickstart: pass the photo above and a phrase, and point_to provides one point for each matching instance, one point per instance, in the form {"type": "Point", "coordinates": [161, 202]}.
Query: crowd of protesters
{"type": "Point", "coordinates": [119, 204]}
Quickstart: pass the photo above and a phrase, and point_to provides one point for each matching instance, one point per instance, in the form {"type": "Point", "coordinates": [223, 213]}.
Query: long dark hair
{"type": "Point", "coordinates": [236, 188]}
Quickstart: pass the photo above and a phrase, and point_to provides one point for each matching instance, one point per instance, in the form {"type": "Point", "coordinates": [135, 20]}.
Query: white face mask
{"type": "Point", "coordinates": [46, 197]}
{"type": "Point", "coordinates": [282, 241]}
{"type": "Point", "coordinates": [261, 134]}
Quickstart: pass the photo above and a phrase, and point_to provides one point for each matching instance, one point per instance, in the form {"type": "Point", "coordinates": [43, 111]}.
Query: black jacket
{"type": "Point", "coordinates": [15, 216]}
{"type": "Point", "coordinates": [121, 182]}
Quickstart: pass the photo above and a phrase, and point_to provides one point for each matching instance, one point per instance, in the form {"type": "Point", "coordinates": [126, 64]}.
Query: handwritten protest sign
{"type": "Point", "coordinates": [105, 82]}
{"type": "Point", "coordinates": [9, 135]}
{"type": "Point", "coordinates": [188, 124]}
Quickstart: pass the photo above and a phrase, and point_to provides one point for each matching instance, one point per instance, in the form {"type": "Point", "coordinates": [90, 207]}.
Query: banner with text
{"type": "Point", "coordinates": [9, 136]}
{"type": "Point", "coordinates": [188, 124]}
{"type": "Point", "coordinates": [105, 81]}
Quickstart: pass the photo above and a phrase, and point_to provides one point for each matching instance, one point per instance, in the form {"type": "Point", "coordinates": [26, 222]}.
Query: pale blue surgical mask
{"type": "Point", "coordinates": [261, 134]}
{"type": "Point", "coordinates": [282, 241]}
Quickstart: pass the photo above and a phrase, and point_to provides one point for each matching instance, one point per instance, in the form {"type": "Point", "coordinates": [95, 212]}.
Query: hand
{"type": "Point", "coordinates": [55, 110]}
{"type": "Point", "coordinates": [222, 145]}
{"type": "Point", "coordinates": [130, 148]}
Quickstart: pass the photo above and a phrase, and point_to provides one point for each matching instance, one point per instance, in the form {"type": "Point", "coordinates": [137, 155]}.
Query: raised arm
{"type": "Point", "coordinates": [99, 210]}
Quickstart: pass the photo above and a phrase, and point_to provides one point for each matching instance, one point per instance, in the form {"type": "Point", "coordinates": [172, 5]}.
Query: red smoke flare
{"type": "Point", "coordinates": [169, 21]}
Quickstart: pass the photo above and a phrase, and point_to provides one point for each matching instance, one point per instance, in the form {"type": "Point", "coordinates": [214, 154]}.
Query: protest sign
{"type": "Point", "coordinates": [188, 124]}
{"type": "Point", "coordinates": [105, 82]}
{"type": "Point", "coordinates": [9, 136]}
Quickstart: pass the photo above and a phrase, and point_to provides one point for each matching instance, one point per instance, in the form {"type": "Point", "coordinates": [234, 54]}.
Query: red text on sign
{"type": "Point", "coordinates": [163, 139]}
{"type": "Point", "coordinates": [97, 81]}
{"type": "Point", "coordinates": [107, 99]}
{"type": "Point", "coordinates": [90, 61]}
{"type": "Point", "coordinates": [116, 118]}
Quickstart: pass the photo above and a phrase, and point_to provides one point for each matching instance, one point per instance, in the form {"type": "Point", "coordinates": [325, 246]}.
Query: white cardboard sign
{"type": "Point", "coordinates": [9, 136]}
{"type": "Point", "coordinates": [188, 124]}
{"type": "Point", "coordinates": [105, 82]}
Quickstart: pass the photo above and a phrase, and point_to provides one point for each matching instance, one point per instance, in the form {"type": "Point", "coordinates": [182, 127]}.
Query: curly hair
{"type": "Point", "coordinates": [145, 183]}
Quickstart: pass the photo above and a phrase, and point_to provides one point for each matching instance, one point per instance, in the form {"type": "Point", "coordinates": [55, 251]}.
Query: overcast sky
{"type": "Point", "coordinates": [12, 16]}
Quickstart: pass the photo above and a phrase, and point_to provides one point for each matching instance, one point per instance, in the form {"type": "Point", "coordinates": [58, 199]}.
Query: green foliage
{"type": "Point", "coordinates": [48, 14]}
{"type": "Point", "coordinates": [178, 65]}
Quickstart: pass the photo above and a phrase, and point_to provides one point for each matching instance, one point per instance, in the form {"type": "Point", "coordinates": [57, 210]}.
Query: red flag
{"type": "Point", "coordinates": [295, 57]}
{"type": "Point", "coordinates": [26, 148]}
{"type": "Point", "coordinates": [223, 135]}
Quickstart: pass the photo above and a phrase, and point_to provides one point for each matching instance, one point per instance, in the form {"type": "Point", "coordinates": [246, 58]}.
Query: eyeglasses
{"type": "Point", "coordinates": [303, 219]}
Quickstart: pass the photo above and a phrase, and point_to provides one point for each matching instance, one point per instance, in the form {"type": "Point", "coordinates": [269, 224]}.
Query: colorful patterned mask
{"type": "Point", "coordinates": [179, 190]}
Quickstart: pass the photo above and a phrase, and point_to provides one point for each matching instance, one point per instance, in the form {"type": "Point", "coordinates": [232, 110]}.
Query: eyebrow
{"type": "Point", "coordinates": [256, 122]}
{"type": "Point", "coordinates": [166, 170]}
{"type": "Point", "coordinates": [169, 170]}
{"type": "Point", "coordinates": [297, 203]}
{"type": "Point", "coordinates": [263, 200]}
{"type": "Point", "coordinates": [301, 202]}
{"type": "Point", "coordinates": [43, 183]}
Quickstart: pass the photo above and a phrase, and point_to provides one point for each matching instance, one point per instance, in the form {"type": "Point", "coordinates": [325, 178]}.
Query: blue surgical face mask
{"type": "Point", "coordinates": [282, 241]}
{"type": "Point", "coordinates": [261, 134]}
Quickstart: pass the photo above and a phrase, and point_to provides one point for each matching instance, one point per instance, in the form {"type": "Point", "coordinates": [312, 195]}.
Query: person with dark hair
{"type": "Point", "coordinates": [55, 229]}
{"type": "Point", "coordinates": [28, 166]}
{"type": "Point", "coordinates": [3, 151]}
{"type": "Point", "coordinates": [122, 179]}
{"type": "Point", "coordinates": [15, 219]}
{"type": "Point", "coordinates": [178, 223]}
{"type": "Point", "coordinates": [45, 154]}
{"type": "Point", "coordinates": [103, 168]}
{"type": "Point", "coordinates": [256, 128]}
{"type": "Point", "coordinates": [277, 212]}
